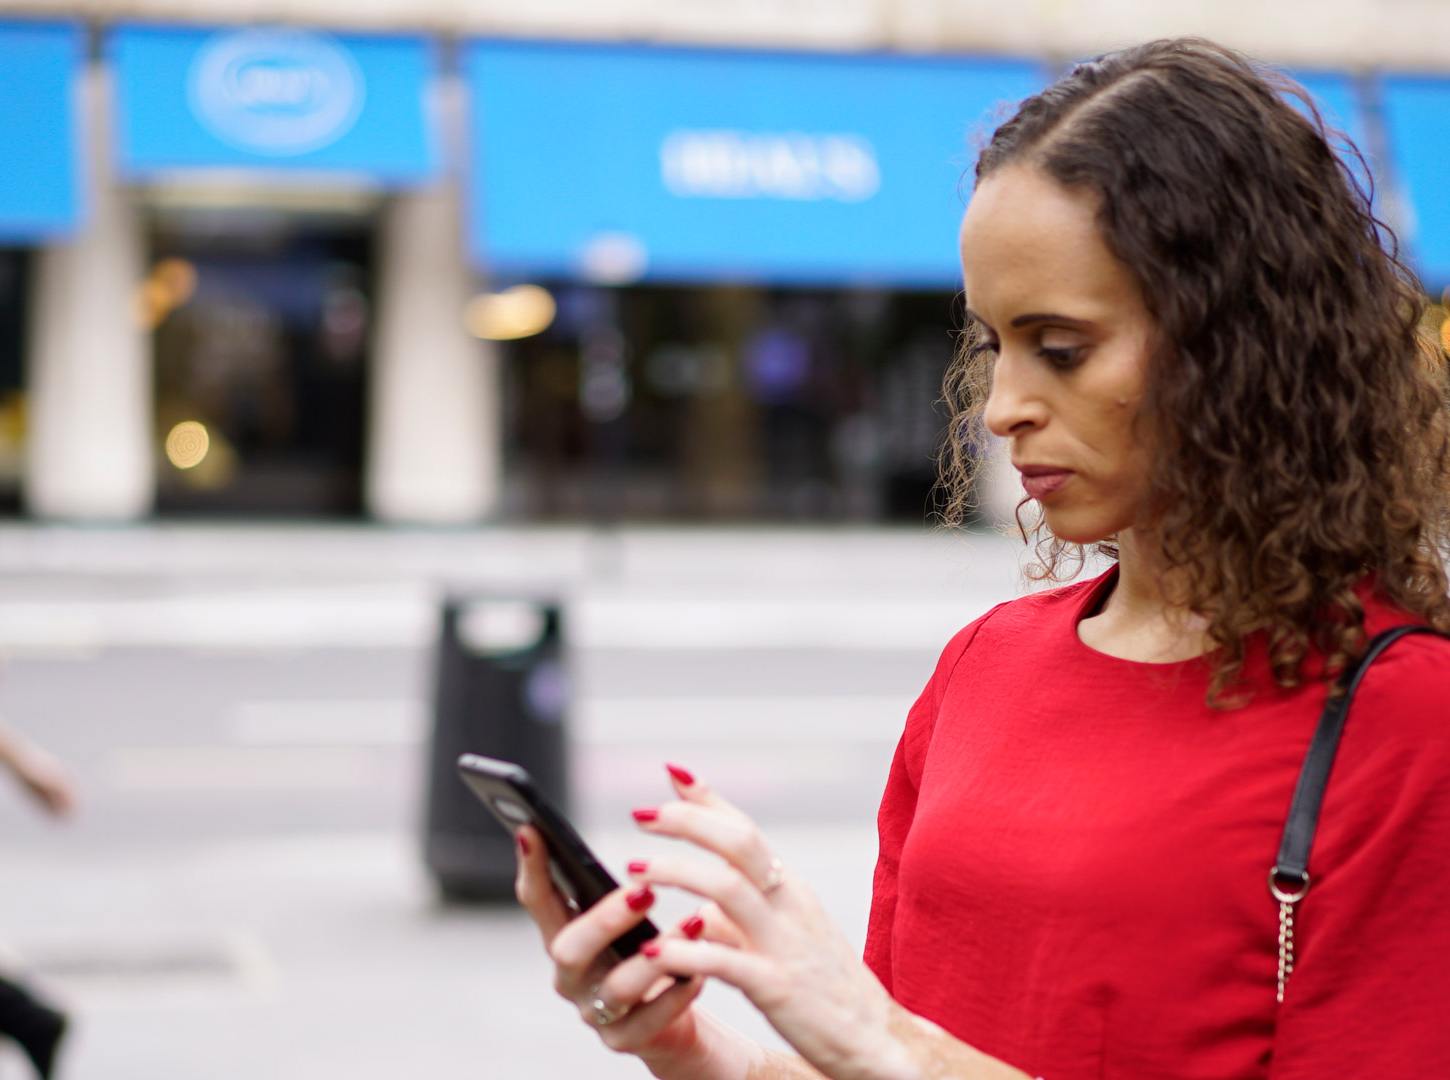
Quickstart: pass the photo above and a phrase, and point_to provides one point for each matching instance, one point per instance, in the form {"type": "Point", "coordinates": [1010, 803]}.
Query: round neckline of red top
{"type": "Point", "coordinates": [1091, 601]}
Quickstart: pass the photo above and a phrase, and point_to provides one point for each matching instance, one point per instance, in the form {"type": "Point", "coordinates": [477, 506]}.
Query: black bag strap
{"type": "Point", "coordinates": [1289, 879]}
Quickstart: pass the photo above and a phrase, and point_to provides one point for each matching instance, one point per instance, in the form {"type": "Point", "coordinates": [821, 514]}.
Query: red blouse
{"type": "Point", "coordinates": [1074, 853]}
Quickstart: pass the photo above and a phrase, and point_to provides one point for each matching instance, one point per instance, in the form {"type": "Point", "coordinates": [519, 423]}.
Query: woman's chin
{"type": "Point", "coordinates": [1076, 528]}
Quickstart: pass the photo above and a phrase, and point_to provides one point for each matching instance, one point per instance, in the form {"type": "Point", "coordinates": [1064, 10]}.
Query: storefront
{"type": "Point", "coordinates": [39, 203]}
{"type": "Point", "coordinates": [262, 161]}
{"type": "Point", "coordinates": [288, 272]}
{"type": "Point", "coordinates": [753, 262]}
{"type": "Point", "coordinates": [754, 266]}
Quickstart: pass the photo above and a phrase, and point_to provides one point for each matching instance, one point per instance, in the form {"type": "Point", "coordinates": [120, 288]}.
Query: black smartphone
{"type": "Point", "coordinates": [510, 795]}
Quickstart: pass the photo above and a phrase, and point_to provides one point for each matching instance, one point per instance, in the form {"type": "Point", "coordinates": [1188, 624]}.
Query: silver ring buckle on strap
{"type": "Point", "coordinates": [1278, 879]}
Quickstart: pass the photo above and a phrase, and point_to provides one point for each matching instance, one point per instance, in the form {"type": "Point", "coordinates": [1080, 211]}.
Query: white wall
{"type": "Point", "coordinates": [1352, 33]}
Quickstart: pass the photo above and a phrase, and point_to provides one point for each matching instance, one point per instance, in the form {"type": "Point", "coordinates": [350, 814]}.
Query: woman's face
{"type": "Point", "coordinates": [1071, 337]}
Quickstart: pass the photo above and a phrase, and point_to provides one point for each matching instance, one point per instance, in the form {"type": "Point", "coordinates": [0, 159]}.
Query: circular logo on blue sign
{"type": "Point", "coordinates": [276, 92]}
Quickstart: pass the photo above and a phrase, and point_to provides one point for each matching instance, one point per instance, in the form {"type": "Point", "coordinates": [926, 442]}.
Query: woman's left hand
{"type": "Point", "coordinates": [767, 934]}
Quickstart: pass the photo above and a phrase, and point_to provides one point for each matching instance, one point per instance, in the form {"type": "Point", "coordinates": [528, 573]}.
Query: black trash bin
{"type": "Point", "coordinates": [500, 690]}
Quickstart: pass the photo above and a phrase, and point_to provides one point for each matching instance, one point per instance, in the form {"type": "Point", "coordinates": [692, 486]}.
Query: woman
{"type": "Point", "coordinates": [1186, 326]}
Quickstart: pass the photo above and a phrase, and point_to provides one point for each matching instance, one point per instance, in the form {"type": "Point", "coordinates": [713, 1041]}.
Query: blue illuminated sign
{"type": "Point", "coordinates": [1417, 122]}
{"type": "Point", "coordinates": [284, 99]}
{"type": "Point", "coordinates": [1338, 102]}
{"type": "Point", "coordinates": [39, 184]}
{"type": "Point", "coordinates": [1335, 96]}
{"type": "Point", "coordinates": [616, 164]}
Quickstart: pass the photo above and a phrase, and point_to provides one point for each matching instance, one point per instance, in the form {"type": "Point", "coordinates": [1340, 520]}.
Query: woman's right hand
{"type": "Point", "coordinates": [660, 1028]}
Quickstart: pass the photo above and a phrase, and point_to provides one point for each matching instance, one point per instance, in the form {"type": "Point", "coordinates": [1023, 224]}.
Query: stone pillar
{"type": "Point", "coordinates": [89, 449]}
{"type": "Point", "coordinates": [434, 433]}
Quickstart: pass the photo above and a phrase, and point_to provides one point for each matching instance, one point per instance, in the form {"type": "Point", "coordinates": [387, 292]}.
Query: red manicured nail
{"type": "Point", "coordinates": [650, 949]}
{"type": "Point", "coordinates": [639, 866]}
{"type": "Point", "coordinates": [646, 814]}
{"type": "Point", "coordinates": [640, 899]}
{"type": "Point", "coordinates": [692, 927]}
{"type": "Point", "coordinates": [523, 843]}
{"type": "Point", "coordinates": [681, 774]}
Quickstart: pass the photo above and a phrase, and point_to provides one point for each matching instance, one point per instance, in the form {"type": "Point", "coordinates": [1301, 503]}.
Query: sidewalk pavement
{"type": "Point", "coordinates": [211, 587]}
{"type": "Point", "coordinates": [327, 956]}
{"type": "Point", "coordinates": [231, 917]}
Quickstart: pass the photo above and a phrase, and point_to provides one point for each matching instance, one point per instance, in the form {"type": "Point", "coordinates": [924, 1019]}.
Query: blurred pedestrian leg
{"type": "Point", "coordinates": [32, 1023]}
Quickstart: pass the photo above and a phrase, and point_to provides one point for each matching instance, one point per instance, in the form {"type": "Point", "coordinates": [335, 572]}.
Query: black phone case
{"type": "Point", "coordinates": [576, 871]}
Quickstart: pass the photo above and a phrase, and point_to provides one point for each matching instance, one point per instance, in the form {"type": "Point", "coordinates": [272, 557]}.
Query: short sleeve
{"type": "Point", "coordinates": [898, 804]}
{"type": "Point", "coordinates": [1370, 992]}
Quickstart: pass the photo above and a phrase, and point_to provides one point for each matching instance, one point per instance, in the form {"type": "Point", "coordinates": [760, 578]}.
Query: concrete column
{"type": "Point", "coordinates": [89, 441]}
{"type": "Point", "coordinates": [434, 434]}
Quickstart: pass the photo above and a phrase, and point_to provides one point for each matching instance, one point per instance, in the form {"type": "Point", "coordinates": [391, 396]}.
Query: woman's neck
{"type": "Point", "coordinates": [1138, 620]}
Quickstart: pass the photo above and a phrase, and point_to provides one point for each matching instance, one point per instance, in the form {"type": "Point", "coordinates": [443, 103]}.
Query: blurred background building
{"type": "Point", "coordinates": [644, 259]}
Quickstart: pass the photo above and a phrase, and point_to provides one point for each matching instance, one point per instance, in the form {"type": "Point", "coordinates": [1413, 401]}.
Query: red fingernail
{"type": "Point", "coordinates": [640, 899]}
{"type": "Point", "coordinates": [692, 927]}
{"type": "Point", "coordinates": [650, 949]}
{"type": "Point", "coordinates": [645, 814]}
{"type": "Point", "coordinates": [639, 866]}
{"type": "Point", "coordinates": [681, 774]}
{"type": "Point", "coordinates": [523, 843]}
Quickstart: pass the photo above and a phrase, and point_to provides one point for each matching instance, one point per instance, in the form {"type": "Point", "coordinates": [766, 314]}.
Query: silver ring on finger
{"type": "Point", "coordinates": [774, 877]}
{"type": "Point", "coordinates": [601, 1013]}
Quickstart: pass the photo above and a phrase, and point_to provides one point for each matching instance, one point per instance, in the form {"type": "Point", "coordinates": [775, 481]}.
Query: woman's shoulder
{"type": "Point", "coordinates": [1392, 770]}
{"type": "Point", "coordinates": [1058, 603]}
{"type": "Point", "coordinates": [995, 629]}
{"type": "Point", "coordinates": [1413, 672]}
{"type": "Point", "coordinates": [1409, 683]}
{"type": "Point", "coordinates": [1030, 613]}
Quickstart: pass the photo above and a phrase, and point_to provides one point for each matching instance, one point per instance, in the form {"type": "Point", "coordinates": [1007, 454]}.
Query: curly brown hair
{"type": "Point", "coordinates": [1298, 415]}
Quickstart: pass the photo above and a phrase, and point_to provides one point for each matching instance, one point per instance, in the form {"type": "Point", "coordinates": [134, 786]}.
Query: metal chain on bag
{"type": "Point", "coordinates": [1287, 900]}
{"type": "Point", "coordinates": [1286, 947]}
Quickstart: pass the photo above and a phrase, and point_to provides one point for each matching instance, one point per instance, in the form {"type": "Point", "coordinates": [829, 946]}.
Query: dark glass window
{"type": "Point", "coordinates": [14, 298]}
{"type": "Point", "coordinates": [261, 325]}
{"type": "Point", "coordinates": [729, 403]}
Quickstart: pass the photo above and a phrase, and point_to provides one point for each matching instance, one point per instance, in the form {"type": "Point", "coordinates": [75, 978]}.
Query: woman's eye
{"type": "Point", "coordinates": [1061, 358]}
{"type": "Point", "coordinates": [986, 346]}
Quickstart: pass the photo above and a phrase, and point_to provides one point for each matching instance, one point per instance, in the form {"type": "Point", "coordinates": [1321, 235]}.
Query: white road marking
{"type": "Point", "coordinates": [329, 723]}
{"type": "Point", "coordinates": [282, 619]}
{"type": "Point", "coordinates": [165, 769]}
{"type": "Point", "coordinates": [613, 721]}
{"type": "Point", "coordinates": [345, 745]}
{"type": "Point", "coordinates": [753, 720]}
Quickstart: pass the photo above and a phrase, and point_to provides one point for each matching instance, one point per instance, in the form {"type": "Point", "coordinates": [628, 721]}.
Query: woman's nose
{"type": "Point", "coordinates": [1012, 405]}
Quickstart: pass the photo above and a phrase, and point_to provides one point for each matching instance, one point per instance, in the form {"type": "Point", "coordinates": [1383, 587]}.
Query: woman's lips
{"type": "Point", "coordinates": [1040, 485]}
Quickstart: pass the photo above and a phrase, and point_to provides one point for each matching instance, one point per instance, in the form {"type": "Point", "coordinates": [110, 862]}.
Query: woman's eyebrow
{"type": "Point", "coordinates": [1035, 318]}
